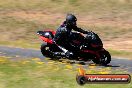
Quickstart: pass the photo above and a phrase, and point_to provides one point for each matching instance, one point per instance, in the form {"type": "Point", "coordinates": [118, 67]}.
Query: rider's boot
{"type": "Point", "coordinates": [67, 54]}
{"type": "Point", "coordinates": [59, 53]}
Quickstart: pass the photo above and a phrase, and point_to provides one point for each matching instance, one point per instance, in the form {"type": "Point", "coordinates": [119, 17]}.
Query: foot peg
{"type": "Point", "coordinates": [69, 54]}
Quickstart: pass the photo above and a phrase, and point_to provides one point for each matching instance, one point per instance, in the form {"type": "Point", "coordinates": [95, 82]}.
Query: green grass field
{"type": "Point", "coordinates": [98, 7]}
{"type": "Point", "coordinates": [32, 73]}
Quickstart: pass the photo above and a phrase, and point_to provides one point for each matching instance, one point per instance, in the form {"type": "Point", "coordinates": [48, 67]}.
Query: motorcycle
{"type": "Point", "coordinates": [84, 47]}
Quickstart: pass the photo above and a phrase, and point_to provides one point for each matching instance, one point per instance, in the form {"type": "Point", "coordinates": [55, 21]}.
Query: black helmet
{"type": "Point", "coordinates": [71, 20]}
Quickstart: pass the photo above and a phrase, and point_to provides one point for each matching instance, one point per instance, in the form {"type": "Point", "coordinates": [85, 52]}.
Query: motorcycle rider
{"type": "Point", "coordinates": [62, 36]}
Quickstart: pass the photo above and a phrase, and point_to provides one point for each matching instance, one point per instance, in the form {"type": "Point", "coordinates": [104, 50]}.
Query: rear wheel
{"type": "Point", "coordinates": [45, 50]}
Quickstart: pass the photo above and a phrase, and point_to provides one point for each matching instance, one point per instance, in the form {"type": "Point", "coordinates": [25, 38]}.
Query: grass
{"type": "Point", "coordinates": [20, 32]}
{"type": "Point", "coordinates": [22, 29]}
{"type": "Point", "coordinates": [97, 7]}
{"type": "Point", "coordinates": [21, 44]}
{"type": "Point", "coordinates": [120, 54]}
{"type": "Point", "coordinates": [33, 73]}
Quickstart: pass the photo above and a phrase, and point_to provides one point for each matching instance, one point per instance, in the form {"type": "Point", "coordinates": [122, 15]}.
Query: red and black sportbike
{"type": "Point", "coordinates": [84, 47]}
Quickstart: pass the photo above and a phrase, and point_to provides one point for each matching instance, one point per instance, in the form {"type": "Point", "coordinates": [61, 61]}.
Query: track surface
{"type": "Point", "coordinates": [20, 53]}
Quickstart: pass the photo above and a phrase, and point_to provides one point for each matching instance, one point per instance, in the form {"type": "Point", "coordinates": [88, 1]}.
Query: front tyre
{"type": "Point", "coordinates": [105, 58]}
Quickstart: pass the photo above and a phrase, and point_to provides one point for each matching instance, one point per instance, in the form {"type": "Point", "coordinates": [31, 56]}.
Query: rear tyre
{"type": "Point", "coordinates": [45, 50]}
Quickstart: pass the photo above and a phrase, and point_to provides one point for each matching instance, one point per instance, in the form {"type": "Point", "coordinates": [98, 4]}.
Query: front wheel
{"type": "Point", "coordinates": [105, 58]}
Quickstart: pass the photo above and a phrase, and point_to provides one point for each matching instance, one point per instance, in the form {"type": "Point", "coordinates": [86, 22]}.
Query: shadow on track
{"type": "Point", "coordinates": [112, 66]}
{"type": "Point", "coordinates": [83, 63]}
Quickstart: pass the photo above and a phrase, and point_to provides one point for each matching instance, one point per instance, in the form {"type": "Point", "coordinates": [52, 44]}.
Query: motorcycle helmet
{"type": "Point", "coordinates": [71, 20]}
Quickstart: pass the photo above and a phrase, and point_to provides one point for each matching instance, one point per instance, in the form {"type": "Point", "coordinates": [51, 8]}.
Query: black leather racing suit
{"type": "Point", "coordinates": [62, 36]}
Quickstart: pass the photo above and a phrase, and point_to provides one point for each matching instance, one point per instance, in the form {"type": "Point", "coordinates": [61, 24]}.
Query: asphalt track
{"type": "Point", "coordinates": [20, 53]}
